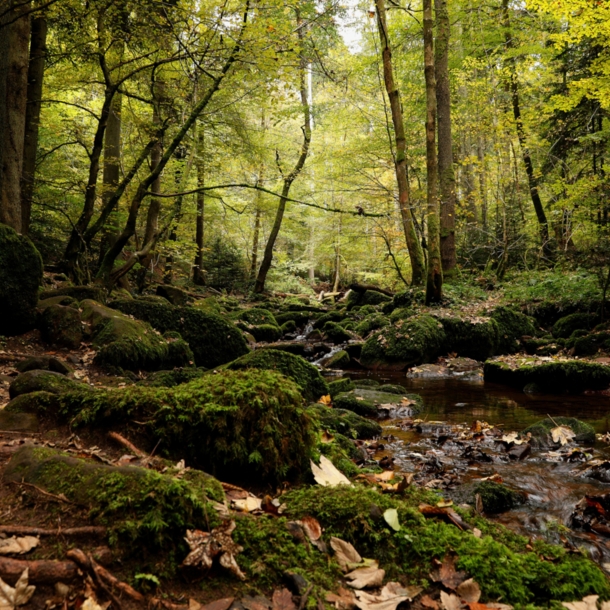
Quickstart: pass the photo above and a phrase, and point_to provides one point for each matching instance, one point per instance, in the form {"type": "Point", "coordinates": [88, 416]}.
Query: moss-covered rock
{"type": "Point", "coordinates": [61, 325]}
{"type": "Point", "coordinates": [175, 295]}
{"type": "Point", "coordinates": [512, 326]}
{"type": "Point", "coordinates": [305, 375]}
{"type": "Point", "coordinates": [213, 340]}
{"type": "Point", "coordinates": [130, 344]}
{"type": "Point", "coordinates": [331, 316]}
{"type": "Point", "coordinates": [60, 300]}
{"type": "Point", "coordinates": [345, 422]}
{"type": "Point", "coordinates": [335, 333]}
{"type": "Point", "coordinates": [401, 313]}
{"type": "Point", "coordinates": [406, 343]}
{"type": "Point", "coordinates": [78, 293]}
{"type": "Point", "coordinates": [470, 337]}
{"type": "Point", "coordinates": [20, 277]}
{"type": "Point", "coordinates": [43, 363]}
{"type": "Point", "coordinates": [373, 402]}
{"type": "Point", "coordinates": [300, 318]}
{"type": "Point", "coordinates": [572, 376]}
{"type": "Point", "coordinates": [288, 327]}
{"type": "Point", "coordinates": [345, 384]}
{"type": "Point", "coordinates": [138, 505]}
{"type": "Point", "coordinates": [41, 403]}
{"type": "Point", "coordinates": [590, 344]}
{"type": "Point", "coordinates": [366, 297]}
{"type": "Point", "coordinates": [372, 322]}
{"type": "Point", "coordinates": [565, 326]}
{"type": "Point", "coordinates": [47, 381]}
{"type": "Point", "coordinates": [496, 497]}
{"type": "Point", "coordinates": [169, 379]}
{"type": "Point", "coordinates": [366, 383]}
{"type": "Point", "coordinates": [233, 424]}
{"type": "Point", "coordinates": [338, 360]}
{"type": "Point", "coordinates": [541, 430]}
{"type": "Point", "coordinates": [255, 316]}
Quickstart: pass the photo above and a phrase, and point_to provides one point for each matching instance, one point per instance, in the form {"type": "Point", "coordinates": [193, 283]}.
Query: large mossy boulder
{"type": "Point", "coordinates": [406, 343]}
{"type": "Point", "coordinates": [260, 323]}
{"type": "Point", "coordinates": [130, 344]}
{"type": "Point", "coordinates": [376, 402]}
{"type": "Point", "coordinates": [213, 340]}
{"type": "Point", "coordinates": [305, 375]}
{"type": "Point", "coordinates": [139, 506]}
{"type": "Point", "coordinates": [571, 376]}
{"type": "Point", "coordinates": [78, 293]}
{"type": "Point", "coordinates": [340, 385]}
{"type": "Point", "coordinates": [359, 298]}
{"type": "Point", "coordinates": [62, 326]}
{"type": "Point", "coordinates": [512, 326]}
{"type": "Point", "coordinates": [541, 431]}
{"type": "Point", "coordinates": [20, 277]}
{"type": "Point", "coordinates": [345, 422]}
{"type": "Point", "coordinates": [237, 425]}
{"type": "Point", "coordinates": [372, 322]}
{"type": "Point", "coordinates": [470, 337]}
{"type": "Point", "coordinates": [564, 327]}
{"type": "Point", "coordinates": [169, 379]}
{"type": "Point", "coordinates": [43, 381]}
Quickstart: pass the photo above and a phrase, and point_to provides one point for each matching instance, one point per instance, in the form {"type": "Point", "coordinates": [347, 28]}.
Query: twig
{"type": "Point", "coordinates": [46, 493]}
{"type": "Point", "coordinates": [305, 597]}
{"type": "Point", "coordinates": [127, 444]}
{"type": "Point", "coordinates": [230, 487]}
{"type": "Point", "coordinates": [89, 530]}
{"type": "Point", "coordinates": [556, 424]}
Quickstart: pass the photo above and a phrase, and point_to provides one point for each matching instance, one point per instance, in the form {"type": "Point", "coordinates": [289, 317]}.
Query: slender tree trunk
{"type": "Point", "coordinates": [525, 152]}
{"type": "Point", "coordinates": [337, 278]}
{"type": "Point", "coordinates": [416, 254]}
{"type": "Point", "coordinates": [482, 181]}
{"type": "Point", "coordinates": [38, 52]}
{"type": "Point", "coordinates": [112, 170]}
{"type": "Point", "coordinates": [445, 140]}
{"type": "Point", "coordinates": [168, 277]}
{"type": "Point", "coordinates": [198, 270]}
{"type": "Point", "coordinates": [14, 47]}
{"type": "Point", "coordinates": [434, 285]}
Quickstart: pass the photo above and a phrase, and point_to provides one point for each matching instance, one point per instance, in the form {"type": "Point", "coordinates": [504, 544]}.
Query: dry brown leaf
{"type": "Point", "coordinates": [282, 600]}
{"type": "Point", "coordinates": [450, 601]}
{"type": "Point", "coordinates": [562, 435]}
{"type": "Point", "coordinates": [344, 599]}
{"type": "Point", "coordinates": [327, 475]}
{"type": "Point", "coordinates": [345, 553]}
{"type": "Point", "coordinates": [311, 527]}
{"type": "Point", "coordinates": [469, 591]}
{"type": "Point", "coordinates": [427, 602]}
{"type": "Point", "coordinates": [587, 603]}
{"type": "Point", "coordinates": [248, 504]}
{"type": "Point", "coordinates": [370, 576]}
{"type": "Point", "coordinates": [326, 437]}
{"type": "Point", "coordinates": [386, 475]}
{"type": "Point", "coordinates": [388, 598]}
{"type": "Point", "coordinates": [205, 546]}
{"type": "Point", "coordinates": [325, 400]}
{"type": "Point", "coordinates": [18, 545]}
{"type": "Point", "coordinates": [21, 594]}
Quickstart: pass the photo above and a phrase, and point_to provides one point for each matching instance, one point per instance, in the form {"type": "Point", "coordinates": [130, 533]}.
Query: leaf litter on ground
{"type": "Point", "coordinates": [327, 475]}
{"type": "Point", "coordinates": [11, 597]}
{"type": "Point", "coordinates": [19, 546]}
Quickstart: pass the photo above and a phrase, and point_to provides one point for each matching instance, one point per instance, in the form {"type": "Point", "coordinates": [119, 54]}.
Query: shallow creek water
{"type": "Point", "coordinates": [552, 484]}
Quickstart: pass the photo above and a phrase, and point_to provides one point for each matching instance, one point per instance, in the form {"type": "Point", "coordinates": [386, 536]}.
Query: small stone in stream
{"type": "Point", "coordinates": [497, 498]}
{"type": "Point", "coordinates": [386, 462]}
{"type": "Point", "coordinates": [298, 585]}
{"type": "Point", "coordinates": [532, 388]}
{"type": "Point", "coordinates": [541, 431]}
{"type": "Point", "coordinates": [519, 452]}
{"type": "Point", "coordinates": [599, 472]}
{"type": "Point", "coordinates": [43, 363]}
{"type": "Point", "coordinates": [474, 454]}
{"type": "Point", "coordinates": [591, 514]}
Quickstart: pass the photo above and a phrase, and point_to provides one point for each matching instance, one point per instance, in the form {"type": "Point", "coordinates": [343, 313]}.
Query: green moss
{"type": "Point", "coordinates": [213, 340]}
{"type": "Point", "coordinates": [255, 316]}
{"type": "Point", "coordinates": [300, 318]}
{"type": "Point", "coordinates": [407, 342]}
{"type": "Point", "coordinates": [512, 325]}
{"type": "Point", "coordinates": [43, 381]}
{"type": "Point", "coordinates": [79, 293]}
{"type": "Point", "coordinates": [350, 402]}
{"type": "Point", "coordinates": [306, 376]}
{"type": "Point", "coordinates": [288, 327]}
{"type": "Point", "coordinates": [60, 325]}
{"type": "Point", "coordinates": [169, 379]}
{"type": "Point", "coordinates": [345, 422]}
{"type": "Point", "coordinates": [138, 505]}
{"type": "Point", "coordinates": [338, 360]}
{"type": "Point", "coordinates": [234, 424]}
{"type": "Point", "coordinates": [470, 337]}
{"type": "Point", "coordinates": [496, 498]}
{"type": "Point", "coordinates": [391, 388]}
{"type": "Point", "coordinates": [372, 322]}
{"type": "Point", "coordinates": [590, 344]}
{"type": "Point", "coordinates": [20, 277]}
{"type": "Point", "coordinates": [565, 326]}
{"type": "Point", "coordinates": [130, 344]}
{"type": "Point", "coordinates": [541, 430]}
{"type": "Point", "coordinates": [367, 297]}
{"type": "Point", "coordinates": [340, 385]}
{"type": "Point", "coordinates": [365, 401]}
{"type": "Point", "coordinates": [40, 402]}
{"type": "Point", "coordinates": [402, 313]}
{"type": "Point", "coordinates": [573, 376]}
{"type": "Point", "coordinates": [331, 316]}
{"type": "Point", "coordinates": [506, 570]}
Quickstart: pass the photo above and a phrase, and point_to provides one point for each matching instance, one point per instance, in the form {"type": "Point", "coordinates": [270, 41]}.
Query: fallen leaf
{"type": "Point", "coordinates": [194, 604]}
{"type": "Point", "coordinates": [444, 503]}
{"type": "Point", "coordinates": [388, 598]}
{"type": "Point", "coordinates": [386, 475]}
{"type": "Point", "coordinates": [447, 574]}
{"type": "Point", "coordinates": [18, 545]}
{"type": "Point", "coordinates": [477, 533]}
{"type": "Point", "coordinates": [371, 576]}
{"type": "Point", "coordinates": [282, 600]}
{"type": "Point", "coordinates": [249, 504]}
{"type": "Point", "coordinates": [450, 601]}
{"type": "Point", "coordinates": [325, 400]}
{"type": "Point", "coordinates": [311, 527]}
{"type": "Point", "coordinates": [344, 599]}
{"type": "Point", "coordinates": [345, 553]}
{"type": "Point", "coordinates": [563, 435]}
{"type": "Point", "coordinates": [469, 591]}
{"type": "Point", "coordinates": [427, 602]}
{"type": "Point", "coordinates": [12, 597]}
{"type": "Point", "coordinates": [205, 546]}
{"type": "Point", "coordinates": [327, 475]}
{"type": "Point", "coordinates": [587, 603]}
{"type": "Point", "coordinates": [391, 518]}
{"type": "Point", "coordinates": [327, 437]}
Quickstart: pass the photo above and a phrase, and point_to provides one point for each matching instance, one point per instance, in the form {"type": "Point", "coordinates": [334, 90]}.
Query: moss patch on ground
{"type": "Point", "coordinates": [345, 422]}
{"type": "Point", "coordinates": [541, 431]}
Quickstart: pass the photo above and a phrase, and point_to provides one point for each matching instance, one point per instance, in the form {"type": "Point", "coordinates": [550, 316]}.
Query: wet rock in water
{"type": "Point", "coordinates": [305, 375]}
{"type": "Point", "coordinates": [213, 340]}
{"type": "Point", "coordinates": [391, 388]}
{"type": "Point", "coordinates": [519, 452]}
{"type": "Point", "coordinates": [496, 497]}
{"type": "Point", "coordinates": [559, 376]}
{"type": "Point", "coordinates": [406, 343]}
{"type": "Point", "coordinates": [43, 363]}
{"type": "Point", "coordinates": [45, 381]}
{"type": "Point", "coordinates": [476, 455]}
{"type": "Point", "coordinates": [371, 402]}
{"type": "Point", "coordinates": [335, 333]}
{"type": "Point", "coordinates": [564, 327]}
{"type": "Point", "coordinates": [471, 337]}
{"type": "Point", "coordinates": [541, 431]}
{"type": "Point", "coordinates": [337, 386]}
{"type": "Point", "coordinates": [591, 514]}
{"type": "Point", "coordinates": [532, 388]}
{"type": "Point", "coordinates": [141, 507]}
{"type": "Point", "coordinates": [338, 360]}
{"type": "Point", "coordinates": [131, 344]}
{"type": "Point", "coordinates": [346, 422]}
{"type": "Point", "coordinates": [366, 383]}
{"type": "Point", "coordinates": [598, 470]}
{"type": "Point", "coordinates": [61, 325]}
{"type": "Point", "coordinates": [464, 368]}
{"type": "Point", "coordinates": [20, 277]}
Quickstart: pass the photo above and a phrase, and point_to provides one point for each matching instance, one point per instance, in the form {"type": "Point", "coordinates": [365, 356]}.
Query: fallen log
{"type": "Point", "coordinates": [41, 571]}
{"type": "Point", "coordinates": [364, 287]}
{"type": "Point", "coordinates": [87, 530]}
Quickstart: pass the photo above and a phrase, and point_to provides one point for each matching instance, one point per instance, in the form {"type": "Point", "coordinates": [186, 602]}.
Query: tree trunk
{"type": "Point", "coordinates": [445, 141]}
{"type": "Point", "coordinates": [288, 180]}
{"type": "Point", "coordinates": [198, 270]}
{"type": "Point", "coordinates": [434, 285]}
{"type": "Point", "coordinates": [38, 52]}
{"type": "Point", "coordinates": [168, 277]}
{"type": "Point", "coordinates": [257, 227]}
{"type": "Point", "coordinates": [112, 170]}
{"type": "Point", "coordinates": [482, 169]}
{"type": "Point", "coordinates": [416, 254]}
{"type": "Point", "coordinates": [525, 152]}
{"type": "Point", "coordinates": [14, 47]}
{"type": "Point", "coordinates": [337, 278]}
